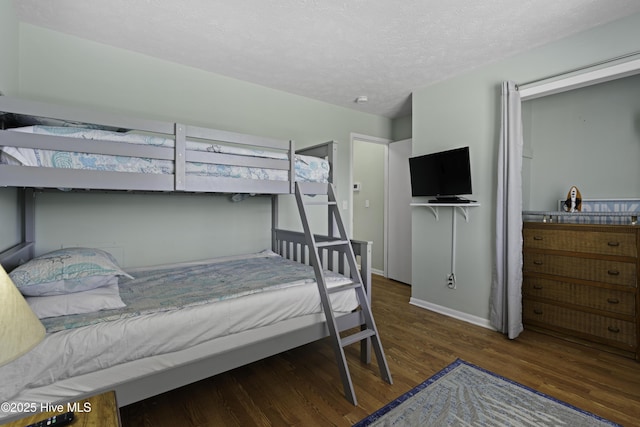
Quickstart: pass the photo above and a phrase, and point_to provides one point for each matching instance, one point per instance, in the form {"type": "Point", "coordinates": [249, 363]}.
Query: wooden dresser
{"type": "Point", "coordinates": [580, 283]}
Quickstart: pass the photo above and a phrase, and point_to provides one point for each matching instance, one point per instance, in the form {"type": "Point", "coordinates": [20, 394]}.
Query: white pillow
{"type": "Point", "coordinates": [104, 298]}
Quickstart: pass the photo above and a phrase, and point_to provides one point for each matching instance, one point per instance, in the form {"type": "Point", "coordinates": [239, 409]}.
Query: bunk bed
{"type": "Point", "coordinates": [97, 151]}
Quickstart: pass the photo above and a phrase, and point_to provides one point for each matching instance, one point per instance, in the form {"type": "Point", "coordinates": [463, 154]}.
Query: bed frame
{"type": "Point", "coordinates": [289, 244]}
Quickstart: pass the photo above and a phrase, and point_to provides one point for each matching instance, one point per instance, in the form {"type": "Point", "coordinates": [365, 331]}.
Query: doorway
{"type": "Point", "coordinates": [380, 199]}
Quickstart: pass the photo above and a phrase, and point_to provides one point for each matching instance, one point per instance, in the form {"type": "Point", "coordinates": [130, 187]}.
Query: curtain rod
{"type": "Point", "coordinates": [586, 67]}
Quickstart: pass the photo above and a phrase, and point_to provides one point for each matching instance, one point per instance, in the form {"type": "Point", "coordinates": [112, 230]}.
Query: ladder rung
{"type": "Point", "coordinates": [332, 243]}
{"type": "Point", "coordinates": [343, 287]}
{"type": "Point", "coordinates": [358, 336]}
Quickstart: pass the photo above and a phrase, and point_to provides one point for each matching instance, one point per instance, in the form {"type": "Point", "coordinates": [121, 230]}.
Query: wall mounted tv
{"type": "Point", "coordinates": [445, 176]}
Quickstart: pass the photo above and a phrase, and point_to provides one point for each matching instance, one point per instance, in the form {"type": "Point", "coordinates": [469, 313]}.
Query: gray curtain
{"type": "Point", "coordinates": [506, 288]}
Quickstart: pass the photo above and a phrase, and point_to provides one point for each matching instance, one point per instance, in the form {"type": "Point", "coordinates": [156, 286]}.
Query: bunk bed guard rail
{"type": "Point", "coordinates": [13, 109]}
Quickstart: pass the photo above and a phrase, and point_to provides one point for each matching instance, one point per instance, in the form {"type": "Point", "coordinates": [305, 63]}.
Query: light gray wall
{"type": "Point", "coordinates": [594, 145]}
{"type": "Point", "coordinates": [148, 229]}
{"type": "Point", "coordinates": [465, 110]}
{"type": "Point", "coordinates": [368, 222]}
{"type": "Point", "coordinates": [9, 48]}
{"type": "Point", "coordinates": [65, 69]}
{"type": "Point", "coordinates": [401, 128]}
{"type": "Point", "coordinates": [527, 157]}
{"type": "Point", "coordinates": [9, 232]}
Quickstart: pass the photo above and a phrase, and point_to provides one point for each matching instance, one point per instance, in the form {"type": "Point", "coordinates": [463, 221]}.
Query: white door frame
{"type": "Point", "coordinates": [374, 140]}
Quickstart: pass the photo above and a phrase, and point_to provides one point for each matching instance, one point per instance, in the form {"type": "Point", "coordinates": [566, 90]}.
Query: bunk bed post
{"type": "Point", "coordinates": [364, 251]}
{"type": "Point", "coordinates": [274, 223]}
{"type": "Point", "coordinates": [25, 249]}
{"type": "Point", "coordinates": [332, 157]}
{"type": "Point", "coordinates": [292, 167]}
{"type": "Point", "coordinates": [332, 228]}
{"type": "Point", "coordinates": [180, 160]}
{"type": "Point", "coordinates": [332, 151]}
{"type": "Point", "coordinates": [28, 207]}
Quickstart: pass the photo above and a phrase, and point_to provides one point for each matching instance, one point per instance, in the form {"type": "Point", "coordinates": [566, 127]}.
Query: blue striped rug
{"type": "Point", "coordinates": [463, 394]}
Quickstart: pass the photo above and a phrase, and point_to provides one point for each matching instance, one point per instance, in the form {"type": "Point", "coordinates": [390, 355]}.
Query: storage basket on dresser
{"type": "Point", "coordinates": [580, 283]}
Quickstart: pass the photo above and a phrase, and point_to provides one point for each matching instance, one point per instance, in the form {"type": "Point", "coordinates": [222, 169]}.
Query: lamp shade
{"type": "Point", "coordinates": [20, 328]}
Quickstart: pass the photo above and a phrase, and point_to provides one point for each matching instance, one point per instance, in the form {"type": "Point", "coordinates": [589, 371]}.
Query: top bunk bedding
{"type": "Point", "coordinates": [146, 156]}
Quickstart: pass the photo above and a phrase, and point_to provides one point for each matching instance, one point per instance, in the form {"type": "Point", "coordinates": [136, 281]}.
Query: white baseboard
{"type": "Point", "coordinates": [378, 272]}
{"type": "Point", "coordinates": [475, 320]}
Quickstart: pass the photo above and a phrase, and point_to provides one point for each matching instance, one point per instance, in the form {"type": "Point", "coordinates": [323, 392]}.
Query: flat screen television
{"type": "Point", "coordinates": [445, 175]}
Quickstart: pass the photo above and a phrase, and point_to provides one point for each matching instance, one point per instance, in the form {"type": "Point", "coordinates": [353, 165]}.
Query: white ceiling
{"type": "Point", "coordinates": [329, 50]}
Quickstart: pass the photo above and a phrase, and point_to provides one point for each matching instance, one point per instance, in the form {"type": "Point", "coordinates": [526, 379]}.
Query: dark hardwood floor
{"type": "Point", "coordinates": [302, 387]}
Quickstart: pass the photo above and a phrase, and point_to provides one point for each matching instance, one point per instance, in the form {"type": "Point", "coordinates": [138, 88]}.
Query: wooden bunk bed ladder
{"type": "Point", "coordinates": [368, 331]}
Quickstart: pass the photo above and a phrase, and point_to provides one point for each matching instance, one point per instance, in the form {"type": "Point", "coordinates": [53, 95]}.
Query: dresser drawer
{"type": "Point", "coordinates": [597, 270]}
{"type": "Point", "coordinates": [604, 243]}
{"type": "Point", "coordinates": [609, 300]}
{"type": "Point", "coordinates": [612, 330]}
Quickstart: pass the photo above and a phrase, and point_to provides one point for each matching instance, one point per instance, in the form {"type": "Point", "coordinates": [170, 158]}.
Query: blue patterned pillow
{"type": "Point", "coordinates": [66, 271]}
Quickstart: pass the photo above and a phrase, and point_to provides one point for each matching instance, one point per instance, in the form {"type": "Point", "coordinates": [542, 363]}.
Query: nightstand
{"type": "Point", "coordinates": [100, 410]}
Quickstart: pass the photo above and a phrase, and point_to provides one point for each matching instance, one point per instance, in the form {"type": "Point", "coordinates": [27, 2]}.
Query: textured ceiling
{"type": "Point", "coordinates": [329, 50]}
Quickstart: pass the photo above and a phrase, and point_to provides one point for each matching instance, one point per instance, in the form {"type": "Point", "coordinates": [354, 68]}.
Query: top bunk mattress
{"type": "Point", "coordinates": [171, 308]}
{"type": "Point", "coordinates": [307, 168]}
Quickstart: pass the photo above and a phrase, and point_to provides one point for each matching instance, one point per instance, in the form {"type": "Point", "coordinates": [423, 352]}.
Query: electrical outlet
{"type": "Point", "coordinates": [451, 281]}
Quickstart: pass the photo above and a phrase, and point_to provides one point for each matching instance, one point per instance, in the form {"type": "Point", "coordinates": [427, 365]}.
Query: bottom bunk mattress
{"type": "Point", "coordinates": [170, 309]}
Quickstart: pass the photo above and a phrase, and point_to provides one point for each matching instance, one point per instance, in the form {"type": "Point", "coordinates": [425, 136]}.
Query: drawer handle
{"type": "Point", "coordinates": [613, 272]}
{"type": "Point", "coordinates": [537, 238]}
{"type": "Point", "coordinates": [613, 329]}
{"type": "Point", "coordinates": [538, 287]}
{"type": "Point", "coordinates": [537, 311]}
{"type": "Point", "coordinates": [537, 262]}
{"type": "Point", "coordinates": [614, 244]}
{"type": "Point", "coordinates": [613, 300]}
